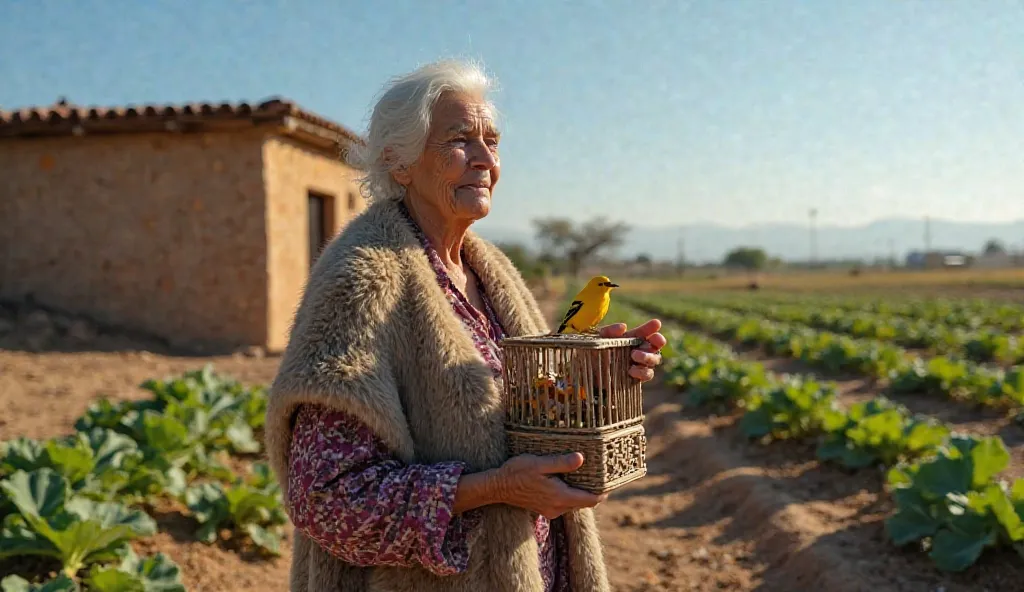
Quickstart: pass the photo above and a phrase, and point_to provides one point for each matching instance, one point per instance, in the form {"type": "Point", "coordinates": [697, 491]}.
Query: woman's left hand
{"type": "Point", "coordinates": [646, 357]}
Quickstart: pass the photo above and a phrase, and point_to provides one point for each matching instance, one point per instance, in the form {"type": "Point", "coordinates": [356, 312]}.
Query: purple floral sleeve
{"type": "Point", "coordinates": [347, 492]}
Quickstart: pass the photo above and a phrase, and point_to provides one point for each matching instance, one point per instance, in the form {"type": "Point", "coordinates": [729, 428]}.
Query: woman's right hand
{"type": "Point", "coordinates": [530, 482]}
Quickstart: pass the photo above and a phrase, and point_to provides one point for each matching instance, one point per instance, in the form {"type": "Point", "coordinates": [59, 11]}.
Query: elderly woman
{"type": "Point", "coordinates": [385, 423]}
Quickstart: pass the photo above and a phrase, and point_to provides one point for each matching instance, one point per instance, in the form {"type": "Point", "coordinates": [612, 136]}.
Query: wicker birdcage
{"type": "Point", "coordinates": [573, 393]}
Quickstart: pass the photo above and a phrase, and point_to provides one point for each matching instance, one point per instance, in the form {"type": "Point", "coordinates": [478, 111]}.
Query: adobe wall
{"type": "Point", "coordinates": [160, 232]}
{"type": "Point", "coordinates": [291, 172]}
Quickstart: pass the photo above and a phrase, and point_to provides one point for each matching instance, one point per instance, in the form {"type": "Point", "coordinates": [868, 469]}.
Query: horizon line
{"type": "Point", "coordinates": [484, 223]}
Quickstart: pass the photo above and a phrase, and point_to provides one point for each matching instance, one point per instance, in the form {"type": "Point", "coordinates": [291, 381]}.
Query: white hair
{"type": "Point", "coordinates": [400, 120]}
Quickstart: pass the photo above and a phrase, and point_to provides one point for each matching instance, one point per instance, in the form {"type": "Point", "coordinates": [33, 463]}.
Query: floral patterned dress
{"type": "Point", "coordinates": [350, 493]}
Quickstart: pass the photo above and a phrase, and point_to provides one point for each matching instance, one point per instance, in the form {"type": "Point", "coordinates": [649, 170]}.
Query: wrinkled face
{"type": "Point", "coordinates": [459, 167]}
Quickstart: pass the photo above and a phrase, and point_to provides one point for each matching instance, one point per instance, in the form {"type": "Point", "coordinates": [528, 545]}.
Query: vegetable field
{"type": "Point", "coordinates": [922, 397]}
{"type": "Point", "coordinates": [77, 501]}
{"type": "Point", "coordinates": [795, 442]}
{"type": "Point", "coordinates": [126, 468]}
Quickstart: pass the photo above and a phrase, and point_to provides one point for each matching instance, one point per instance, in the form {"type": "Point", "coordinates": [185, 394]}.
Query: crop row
{"type": "Point", "coordinates": [81, 499]}
{"type": "Point", "coordinates": [968, 314]}
{"type": "Point", "coordinates": [945, 485]}
{"type": "Point", "coordinates": [903, 371]}
{"type": "Point", "coordinates": [980, 345]}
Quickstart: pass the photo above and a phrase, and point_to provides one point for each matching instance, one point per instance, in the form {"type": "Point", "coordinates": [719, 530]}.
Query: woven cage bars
{"type": "Point", "coordinates": [566, 383]}
{"type": "Point", "coordinates": [573, 393]}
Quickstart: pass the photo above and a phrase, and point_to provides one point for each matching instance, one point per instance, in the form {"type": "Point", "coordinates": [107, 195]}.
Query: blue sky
{"type": "Point", "coordinates": [658, 113]}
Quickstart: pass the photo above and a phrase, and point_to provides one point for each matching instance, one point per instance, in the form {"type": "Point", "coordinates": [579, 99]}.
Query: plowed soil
{"type": "Point", "coordinates": [714, 513]}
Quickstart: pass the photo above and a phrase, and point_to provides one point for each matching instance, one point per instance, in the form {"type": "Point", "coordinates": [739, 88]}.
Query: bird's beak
{"type": "Point", "coordinates": [611, 285]}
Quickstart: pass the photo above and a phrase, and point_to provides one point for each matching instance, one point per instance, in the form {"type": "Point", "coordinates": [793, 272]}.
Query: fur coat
{"type": "Point", "coordinates": [374, 336]}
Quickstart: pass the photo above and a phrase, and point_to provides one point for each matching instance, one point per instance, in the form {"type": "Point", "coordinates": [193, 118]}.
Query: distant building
{"type": "Point", "coordinates": [937, 259]}
{"type": "Point", "coordinates": [997, 260]}
{"type": "Point", "coordinates": [197, 223]}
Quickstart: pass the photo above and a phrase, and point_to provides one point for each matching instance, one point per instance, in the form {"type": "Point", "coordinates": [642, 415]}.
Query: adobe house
{"type": "Point", "coordinates": [195, 223]}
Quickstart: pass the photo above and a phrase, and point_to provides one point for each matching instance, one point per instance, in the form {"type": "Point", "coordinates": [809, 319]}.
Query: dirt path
{"type": "Point", "coordinates": [660, 533]}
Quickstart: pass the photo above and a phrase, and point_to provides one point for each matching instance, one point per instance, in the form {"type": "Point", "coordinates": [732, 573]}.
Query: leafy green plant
{"type": "Point", "coordinates": [942, 375]}
{"type": "Point", "coordinates": [710, 374]}
{"type": "Point", "coordinates": [934, 326]}
{"type": "Point", "coordinates": [21, 454]}
{"type": "Point", "coordinates": [218, 413]}
{"type": "Point", "coordinates": [221, 413]}
{"type": "Point", "coordinates": [793, 408]}
{"type": "Point", "coordinates": [878, 432]}
{"type": "Point", "coordinates": [119, 416]}
{"type": "Point", "coordinates": [945, 486]}
{"type": "Point", "coordinates": [144, 457]}
{"type": "Point", "coordinates": [61, 583]}
{"type": "Point", "coordinates": [181, 430]}
{"type": "Point", "coordinates": [262, 479]}
{"type": "Point", "coordinates": [172, 447]}
{"type": "Point", "coordinates": [97, 464]}
{"type": "Point", "coordinates": [69, 498]}
{"type": "Point", "coordinates": [997, 347]}
{"type": "Point", "coordinates": [254, 509]}
{"type": "Point", "coordinates": [950, 377]}
{"type": "Point", "coordinates": [954, 503]}
{"type": "Point", "coordinates": [725, 383]}
{"type": "Point", "coordinates": [156, 573]}
{"type": "Point", "coordinates": [1009, 385]}
{"type": "Point", "coordinates": [74, 530]}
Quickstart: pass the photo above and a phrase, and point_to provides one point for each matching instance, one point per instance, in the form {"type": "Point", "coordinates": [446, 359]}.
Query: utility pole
{"type": "Point", "coordinates": [814, 238]}
{"type": "Point", "coordinates": [927, 234]}
{"type": "Point", "coordinates": [680, 255]}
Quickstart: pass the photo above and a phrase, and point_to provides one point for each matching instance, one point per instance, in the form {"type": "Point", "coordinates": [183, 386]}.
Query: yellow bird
{"type": "Point", "coordinates": [588, 307]}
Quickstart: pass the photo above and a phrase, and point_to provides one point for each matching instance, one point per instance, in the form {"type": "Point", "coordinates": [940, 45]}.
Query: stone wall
{"type": "Point", "coordinates": [164, 233]}
{"type": "Point", "coordinates": [290, 173]}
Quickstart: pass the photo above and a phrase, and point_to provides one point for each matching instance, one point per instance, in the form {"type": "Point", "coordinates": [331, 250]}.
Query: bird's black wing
{"type": "Point", "coordinates": [569, 314]}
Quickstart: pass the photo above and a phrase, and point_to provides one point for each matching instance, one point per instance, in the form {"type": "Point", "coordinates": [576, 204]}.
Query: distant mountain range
{"type": "Point", "coordinates": [704, 243]}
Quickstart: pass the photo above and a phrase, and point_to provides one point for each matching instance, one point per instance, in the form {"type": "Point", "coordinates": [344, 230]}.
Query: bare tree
{"type": "Point", "coordinates": [554, 235]}
{"type": "Point", "coordinates": [577, 245]}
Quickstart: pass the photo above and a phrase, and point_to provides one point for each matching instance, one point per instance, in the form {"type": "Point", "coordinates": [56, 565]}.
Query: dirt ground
{"type": "Point", "coordinates": [49, 376]}
{"type": "Point", "coordinates": [715, 512]}
{"type": "Point", "coordinates": [43, 393]}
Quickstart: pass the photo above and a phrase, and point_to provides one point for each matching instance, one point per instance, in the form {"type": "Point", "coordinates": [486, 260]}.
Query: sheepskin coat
{"type": "Point", "coordinates": [374, 336]}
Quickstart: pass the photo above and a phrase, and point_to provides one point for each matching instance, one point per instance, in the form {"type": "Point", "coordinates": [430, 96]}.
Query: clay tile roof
{"type": "Point", "coordinates": [63, 117]}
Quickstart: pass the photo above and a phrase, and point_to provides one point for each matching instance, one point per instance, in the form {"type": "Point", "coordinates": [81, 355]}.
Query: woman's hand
{"type": "Point", "coordinates": [530, 482]}
{"type": "Point", "coordinates": [646, 357]}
